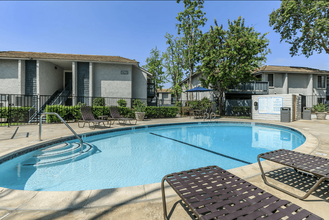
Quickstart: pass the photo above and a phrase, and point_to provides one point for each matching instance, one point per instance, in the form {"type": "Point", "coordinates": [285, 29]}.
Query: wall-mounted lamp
{"type": "Point", "coordinates": [256, 105]}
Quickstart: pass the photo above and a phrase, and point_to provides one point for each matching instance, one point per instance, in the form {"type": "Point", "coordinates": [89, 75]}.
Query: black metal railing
{"type": "Point", "coordinates": [254, 87]}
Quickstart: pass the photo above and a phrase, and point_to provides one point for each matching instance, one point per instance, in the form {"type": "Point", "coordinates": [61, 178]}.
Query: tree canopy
{"type": "Point", "coordinates": [304, 24]}
{"type": "Point", "coordinates": [189, 22]}
{"type": "Point", "coordinates": [155, 66]}
{"type": "Point", "coordinates": [173, 62]}
{"type": "Point", "coordinates": [228, 57]}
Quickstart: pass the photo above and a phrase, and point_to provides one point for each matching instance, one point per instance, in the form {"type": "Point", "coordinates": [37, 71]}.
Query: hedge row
{"type": "Point", "coordinates": [73, 112]}
{"type": "Point", "coordinates": [15, 112]}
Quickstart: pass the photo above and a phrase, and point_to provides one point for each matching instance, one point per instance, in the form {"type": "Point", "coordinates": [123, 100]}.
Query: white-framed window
{"type": "Point", "coordinates": [270, 79]}
{"type": "Point", "coordinates": [321, 82]}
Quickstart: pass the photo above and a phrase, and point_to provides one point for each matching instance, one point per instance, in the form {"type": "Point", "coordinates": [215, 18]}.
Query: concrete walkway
{"type": "Point", "coordinates": [144, 202]}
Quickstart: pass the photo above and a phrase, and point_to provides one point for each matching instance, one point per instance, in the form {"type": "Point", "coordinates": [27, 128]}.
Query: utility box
{"type": "Point", "coordinates": [285, 114]}
{"type": "Point", "coordinates": [307, 113]}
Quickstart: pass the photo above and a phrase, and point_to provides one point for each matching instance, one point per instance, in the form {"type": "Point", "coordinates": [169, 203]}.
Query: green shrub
{"type": "Point", "coordinates": [193, 104]}
{"type": "Point", "coordinates": [137, 102]}
{"type": "Point", "coordinates": [16, 113]}
{"type": "Point", "coordinates": [241, 110]}
{"type": "Point", "coordinates": [178, 104]}
{"type": "Point", "coordinates": [164, 112]}
{"type": "Point", "coordinates": [320, 107]}
{"type": "Point", "coordinates": [81, 104]}
{"type": "Point", "coordinates": [100, 101]}
{"type": "Point", "coordinates": [122, 103]}
{"type": "Point", "coordinates": [139, 106]}
{"type": "Point", "coordinates": [205, 103]}
{"type": "Point", "coordinates": [66, 112]}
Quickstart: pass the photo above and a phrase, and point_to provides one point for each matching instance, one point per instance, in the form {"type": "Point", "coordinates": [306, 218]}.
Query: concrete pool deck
{"type": "Point", "coordinates": [144, 202]}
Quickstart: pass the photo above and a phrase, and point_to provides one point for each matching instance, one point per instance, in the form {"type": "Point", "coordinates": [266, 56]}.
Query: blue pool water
{"type": "Point", "coordinates": [143, 156]}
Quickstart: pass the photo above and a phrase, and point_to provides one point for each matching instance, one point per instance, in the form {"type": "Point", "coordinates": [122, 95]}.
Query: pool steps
{"type": "Point", "coordinates": [75, 147]}
{"type": "Point", "coordinates": [66, 156]}
{"type": "Point", "coordinates": [57, 147]}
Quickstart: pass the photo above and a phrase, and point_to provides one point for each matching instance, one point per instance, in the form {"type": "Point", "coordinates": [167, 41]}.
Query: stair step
{"type": "Point", "coordinates": [36, 162]}
{"type": "Point", "coordinates": [57, 147]}
{"type": "Point", "coordinates": [74, 147]}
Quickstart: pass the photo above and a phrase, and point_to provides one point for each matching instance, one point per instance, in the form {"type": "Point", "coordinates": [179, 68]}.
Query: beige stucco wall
{"type": "Point", "coordinates": [50, 79]}
{"type": "Point", "coordinates": [111, 84]}
{"type": "Point", "coordinates": [10, 83]}
{"type": "Point", "coordinates": [139, 84]}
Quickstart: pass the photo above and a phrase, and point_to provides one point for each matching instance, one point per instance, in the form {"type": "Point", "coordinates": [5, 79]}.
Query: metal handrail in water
{"type": "Point", "coordinates": [53, 113]}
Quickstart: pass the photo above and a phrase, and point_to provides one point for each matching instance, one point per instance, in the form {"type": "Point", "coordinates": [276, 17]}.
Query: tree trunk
{"type": "Point", "coordinates": [221, 103]}
{"type": "Point", "coordinates": [156, 98]}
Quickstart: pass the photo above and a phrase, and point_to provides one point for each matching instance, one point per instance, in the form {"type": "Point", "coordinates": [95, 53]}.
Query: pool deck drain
{"type": "Point", "coordinates": [142, 202]}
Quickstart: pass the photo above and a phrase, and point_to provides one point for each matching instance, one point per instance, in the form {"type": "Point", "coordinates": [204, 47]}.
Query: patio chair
{"type": "Point", "coordinates": [214, 193]}
{"type": "Point", "coordinates": [317, 166]}
{"type": "Point", "coordinates": [116, 116]}
{"type": "Point", "coordinates": [88, 117]}
{"type": "Point", "coordinates": [208, 114]}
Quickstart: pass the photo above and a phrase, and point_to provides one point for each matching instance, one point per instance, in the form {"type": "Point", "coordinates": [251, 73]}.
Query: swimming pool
{"type": "Point", "coordinates": [141, 156]}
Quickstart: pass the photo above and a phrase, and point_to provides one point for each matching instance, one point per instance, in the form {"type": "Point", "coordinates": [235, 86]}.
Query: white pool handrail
{"type": "Point", "coordinates": [54, 113]}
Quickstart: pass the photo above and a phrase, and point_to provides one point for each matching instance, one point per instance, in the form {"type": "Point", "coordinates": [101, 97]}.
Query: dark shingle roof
{"type": "Point", "coordinates": [61, 56]}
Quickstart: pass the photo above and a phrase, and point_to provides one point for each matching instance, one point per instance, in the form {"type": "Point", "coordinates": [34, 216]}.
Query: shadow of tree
{"type": "Point", "coordinates": [82, 204]}
{"type": "Point", "coordinates": [301, 181]}
{"type": "Point", "coordinates": [185, 207]}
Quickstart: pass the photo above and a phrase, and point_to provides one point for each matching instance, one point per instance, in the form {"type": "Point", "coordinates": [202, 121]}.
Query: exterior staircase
{"type": "Point", "coordinates": [58, 98]}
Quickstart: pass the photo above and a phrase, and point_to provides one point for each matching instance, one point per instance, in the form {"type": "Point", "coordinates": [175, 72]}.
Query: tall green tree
{"type": "Point", "coordinates": [230, 56]}
{"type": "Point", "coordinates": [304, 24]}
{"type": "Point", "coordinates": [190, 20]}
{"type": "Point", "coordinates": [155, 66]}
{"type": "Point", "coordinates": [173, 62]}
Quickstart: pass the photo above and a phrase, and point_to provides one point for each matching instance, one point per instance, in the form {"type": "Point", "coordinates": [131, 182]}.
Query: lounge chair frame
{"type": "Point", "coordinates": [214, 193]}
{"type": "Point", "coordinates": [88, 117]}
{"type": "Point", "coordinates": [116, 116]}
{"type": "Point", "coordinates": [317, 166]}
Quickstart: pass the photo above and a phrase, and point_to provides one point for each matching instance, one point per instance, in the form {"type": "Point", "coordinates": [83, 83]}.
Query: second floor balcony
{"type": "Point", "coordinates": [254, 88]}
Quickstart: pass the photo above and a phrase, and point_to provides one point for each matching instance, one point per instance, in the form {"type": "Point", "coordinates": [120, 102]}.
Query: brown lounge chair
{"type": "Point", "coordinates": [318, 166]}
{"type": "Point", "coordinates": [213, 193]}
{"type": "Point", "coordinates": [88, 117]}
{"type": "Point", "coordinates": [116, 116]}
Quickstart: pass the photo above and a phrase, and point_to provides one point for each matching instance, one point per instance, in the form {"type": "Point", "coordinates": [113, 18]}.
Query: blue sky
{"type": "Point", "coordinates": [128, 28]}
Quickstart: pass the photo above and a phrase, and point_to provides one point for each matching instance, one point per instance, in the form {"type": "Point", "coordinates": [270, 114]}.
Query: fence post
{"type": "Point", "coordinates": [9, 111]}
{"type": "Point", "coordinates": [181, 107]}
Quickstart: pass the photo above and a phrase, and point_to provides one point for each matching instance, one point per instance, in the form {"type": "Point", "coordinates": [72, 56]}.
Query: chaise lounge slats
{"type": "Point", "coordinates": [318, 166]}
{"type": "Point", "coordinates": [116, 116]}
{"type": "Point", "coordinates": [88, 117]}
{"type": "Point", "coordinates": [214, 193]}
